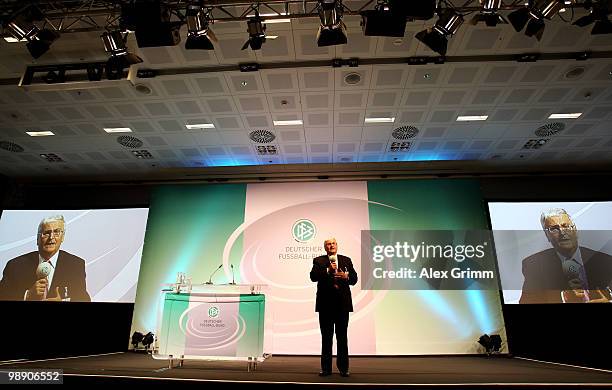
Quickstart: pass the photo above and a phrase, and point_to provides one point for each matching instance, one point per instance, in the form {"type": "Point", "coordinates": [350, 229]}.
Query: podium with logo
{"type": "Point", "coordinates": [213, 322]}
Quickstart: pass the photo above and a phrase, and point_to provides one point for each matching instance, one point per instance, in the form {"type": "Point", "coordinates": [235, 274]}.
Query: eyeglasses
{"type": "Point", "coordinates": [559, 229]}
{"type": "Point", "coordinates": [48, 233]}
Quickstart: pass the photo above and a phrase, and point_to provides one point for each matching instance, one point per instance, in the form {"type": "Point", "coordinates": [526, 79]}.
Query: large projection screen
{"type": "Point", "coordinates": [107, 242]}
{"type": "Point", "coordinates": [254, 227]}
{"type": "Point", "coordinates": [553, 252]}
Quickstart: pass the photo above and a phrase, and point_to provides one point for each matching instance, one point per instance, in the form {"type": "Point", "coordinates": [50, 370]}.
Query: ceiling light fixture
{"type": "Point", "coordinates": [296, 122]}
{"type": "Point", "coordinates": [436, 38]}
{"type": "Point", "coordinates": [22, 28]}
{"type": "Point", "coordinates": [470, 118]}
{"type": "Point", "coordinates": [599, 11]}
{"type": "Point", "coordinates": [199, 35]}
{"type": "Point", "coordinates": [380, 120]}
{"type": "Point", "coordinates": [533, 15]}
{"type": "Point", "coordinates": [120, 58]}
{"type": "Point", "coordinates": [200, 126]}
{"type": "Point", "coordinates": [257, 33]}
{"type": "Point", "coordinates": [488, 13]}
{"type": "Point", "coordinates": [572, 115]}
{"type": "Point", "coordinates": [117, 129]}
{"type": "Point", "coordinates": [39, 133]}
{"type": "Point", "coordinates": [382, 22]}
{"type": "Point", "coordinates": [332, 30]}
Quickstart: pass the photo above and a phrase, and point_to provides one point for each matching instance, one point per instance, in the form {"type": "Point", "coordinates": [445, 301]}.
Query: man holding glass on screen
{"type": "Point", "coordinates": [49, 274]}
{"type": "Point", "coordinates": [567, 272]}
{"type": "Point", "coordinates": [333, 274]}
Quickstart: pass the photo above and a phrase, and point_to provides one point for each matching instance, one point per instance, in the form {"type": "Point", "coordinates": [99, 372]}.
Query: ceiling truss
{"type": "Point", "coordinates": [71, 16]}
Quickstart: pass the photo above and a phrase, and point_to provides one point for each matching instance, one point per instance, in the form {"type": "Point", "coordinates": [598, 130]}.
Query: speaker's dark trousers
{"type": "Point", "coordinates": [328, 320]}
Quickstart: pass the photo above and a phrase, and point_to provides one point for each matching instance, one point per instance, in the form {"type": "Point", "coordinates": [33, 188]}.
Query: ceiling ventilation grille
{"type": "Point", "coordinates": [11, 147]}
{"type": "Point", "coordinates": [129, 141]}
{"type": "Point", "coordinates": [399, 147]}
{"type": "Point", "coordinates": [405, 132]}
{"type": "Point", "coordinates": [549, 129]}
{"type": "Point", "coordinates": [352, 78]}
{"type": "Point", "coordinates": [535, 143]}
{"type": "Point", "coordinates": [262, 136]}
{"type": "Point", "coordinates": [267, 150]}
{"type": "Point", "coordinates": [574, 73]}
{"type": "Point", "coordinates": [142, 154]}
{"type": "Point", "coordinates": [51, 157]}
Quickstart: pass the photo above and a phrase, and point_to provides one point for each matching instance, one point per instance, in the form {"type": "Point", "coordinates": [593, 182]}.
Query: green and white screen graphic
{"type": "Point", "coordinates": [268, 233]}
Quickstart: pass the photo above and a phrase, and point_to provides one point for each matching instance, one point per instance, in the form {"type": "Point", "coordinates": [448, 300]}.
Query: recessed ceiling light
{"type": "Point", "coordinates": [380, 120]}
{"type": "Point", "coordinates": [14, 40]}
{"type": "Point", "coordinates": [469, 118]}
{"type": "Point", "coordinates": [427, 76]}
{"type": "Point", "coordinates": [244, 83]}
{"type": "Point", "coordinates": [398, 42]}
{"type": "Point", "coordinates": [117, 129]}
{"type": "Point", "coordinates": [296, 122]}
{"type": "Point", "coordinates": [572, 115]}
{"type": "Point", "coordinates": [272, 21]}
{"type": "Point", "coordinates": [267, 15]}
{"type": "Point", "coordinates": [200, 126]}
{"type": "Point", "coordinates": [39, 133]}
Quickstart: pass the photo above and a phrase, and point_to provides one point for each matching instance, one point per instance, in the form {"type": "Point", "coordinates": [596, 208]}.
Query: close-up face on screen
{"type": "Point", "coordinates": [71, 255]}
{"type": "Point", "coordinates": [553, 252]}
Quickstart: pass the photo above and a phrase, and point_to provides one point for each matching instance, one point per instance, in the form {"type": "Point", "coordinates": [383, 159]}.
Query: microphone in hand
{"type": "Point", "coordinates": [214, 272]}
{"type": "Point", "coordinates": [40, 287]}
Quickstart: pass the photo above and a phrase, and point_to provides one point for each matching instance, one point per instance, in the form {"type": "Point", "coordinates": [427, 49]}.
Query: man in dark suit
{"type": "Point", "coordinates": [333, 274]}
{"type": "Point", "coordinates": [65, 279]}
{"type": "Point", "coordinates": [566, 272]}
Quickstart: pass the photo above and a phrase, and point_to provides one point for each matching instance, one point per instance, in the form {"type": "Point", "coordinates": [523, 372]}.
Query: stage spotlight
{"type": "Point", "coordinates": [39, 41]}
{"type": "Point", "coordinates": [491, 344]}
{"type": "Point", "coordinates": [53, 77]}
{"type": "Point", "coordinates": [114, 43]}
{"type": "Point", "coordinates": [332, 30]}
{"type": "Point", "coordinates": [488, 13]}
{"type": "Point", "coordinates": [599, 12]}
{"type": "Point", "coordinates": [257, 33]}
{"type": "Point", "coordinates": [436, 38]}
{"type": "Point", "coordinates": [147, 340]}
{"type": "Point", "coordinates": [199, 36]}
{"type": "Point", "coordinates": [94, 72]}
{"type": "Point", "coordinates": [533, 16]}
{"type": "Point", "coordinates": [413, 10]}
{"type": "Point", "coordinates": [603, 26]}
{"type": "Point", "coordinates": [381, 22]}
{"type": "Point", "coordinates": [150, 20]}
{"type": "Point", "coordinates": [136, 339]}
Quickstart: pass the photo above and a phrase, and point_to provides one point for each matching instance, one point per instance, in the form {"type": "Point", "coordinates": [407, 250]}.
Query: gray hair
{"type": "Point", "coordinates": [554, 212]}
{"type": "Point", "coordinates": [330, 239]}
{"type": "Point", "coordinates": [54, 218]}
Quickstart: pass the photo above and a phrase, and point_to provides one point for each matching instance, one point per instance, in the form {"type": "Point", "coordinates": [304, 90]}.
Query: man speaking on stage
{"type": "Point", "coordinates": [333, 274]}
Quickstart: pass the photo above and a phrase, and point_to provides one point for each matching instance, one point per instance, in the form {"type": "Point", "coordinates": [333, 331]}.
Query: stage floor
{"type": "Point", "coordinates": [426, 372]}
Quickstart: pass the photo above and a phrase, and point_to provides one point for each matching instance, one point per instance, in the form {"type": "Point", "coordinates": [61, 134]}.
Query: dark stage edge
{"type": "Point", "coordinates": [390, 372]}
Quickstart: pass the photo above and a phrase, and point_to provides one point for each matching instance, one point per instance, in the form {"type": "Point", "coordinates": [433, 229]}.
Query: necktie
{"type": "Point", "coordinates": [575, 274]}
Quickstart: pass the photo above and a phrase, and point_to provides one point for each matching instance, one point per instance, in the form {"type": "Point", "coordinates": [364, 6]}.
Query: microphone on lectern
{"type": "Point", "coordinates": [214, 272]}
{"type": "Point", "coordinates": [233, 279]}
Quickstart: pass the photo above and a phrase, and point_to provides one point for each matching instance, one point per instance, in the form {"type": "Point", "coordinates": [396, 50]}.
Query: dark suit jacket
{"type": "Point", "coordinates": [328, 297]}
{"type": "Point", "coordinates": [544, 277]}
{"type": "Point", "coordinates": [20, 274]}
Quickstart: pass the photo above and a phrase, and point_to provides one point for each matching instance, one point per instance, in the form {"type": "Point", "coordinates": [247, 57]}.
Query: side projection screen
{"type": "Point", "coordinates": [71, 255]}
{"type": "Point", "coordinates": [554, 252]}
